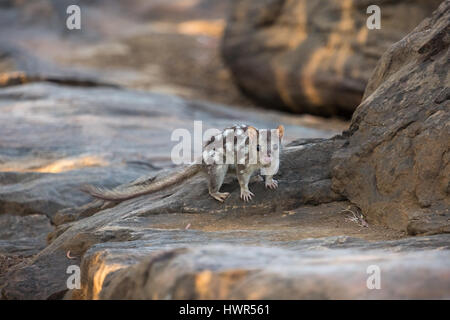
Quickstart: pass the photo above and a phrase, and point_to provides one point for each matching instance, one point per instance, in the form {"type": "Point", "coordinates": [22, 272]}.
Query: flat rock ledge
{"type": "Point", "coordinates": [309, 269]}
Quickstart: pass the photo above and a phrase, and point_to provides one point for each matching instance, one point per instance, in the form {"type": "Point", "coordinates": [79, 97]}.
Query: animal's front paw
{"type": "Point", "coordinates": [272, 184]}
{"type": "Point", "coordinates": [246, 195]}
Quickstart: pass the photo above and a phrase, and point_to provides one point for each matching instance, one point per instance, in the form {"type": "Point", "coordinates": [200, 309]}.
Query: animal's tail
{"type": "Point", "coordinates": [142, 189]}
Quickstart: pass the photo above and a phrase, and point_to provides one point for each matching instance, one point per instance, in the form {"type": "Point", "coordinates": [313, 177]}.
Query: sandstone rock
{"type": "Point", "coordinates": [122, 237]}
{"type": "Point", "coordinates": [249, 272]}
{"type": "Point", "coordinates": [396, 165]}
{"type": "Point", "coordinates": [23, 236]}
{"type": "Point", "coordinates": [312, 56]}
{"type": "Point", "coordinates": [20, 238]}
{"type": "Point", "coordinates": [168, 47]}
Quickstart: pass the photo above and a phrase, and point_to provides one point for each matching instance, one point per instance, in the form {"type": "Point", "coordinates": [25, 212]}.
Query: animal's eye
{"type": "Point", "coordinates": [257, 147]}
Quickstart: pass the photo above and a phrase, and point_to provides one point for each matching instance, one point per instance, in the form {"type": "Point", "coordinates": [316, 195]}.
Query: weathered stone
{"type": "Point", "coordinates": [396, 165]}
{"type": "Point", "coordinates": [249, 272]}
{"type": "Point", "coordinates": [20, 238]}
{"type": "Point", "coordinates": [313, 56]}
{"type": "Point", "coordinates": [169, 47]}
{"type": "Point", "coordinates": [23, 236]}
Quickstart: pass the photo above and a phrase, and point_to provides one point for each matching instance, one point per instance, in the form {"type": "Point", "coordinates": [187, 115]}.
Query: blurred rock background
{"type": "Point", "coordinates": [165, 46]}
{"type": "Point", "coordinates": [312, 56]}
{"type": "Point", "coordinates": [295, 55]}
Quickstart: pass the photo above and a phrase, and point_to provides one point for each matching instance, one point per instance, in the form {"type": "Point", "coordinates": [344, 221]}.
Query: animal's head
{"type": "Point", "coordinates": [251, 146]}
{"type": "Point", "coordinates": [264, 145]}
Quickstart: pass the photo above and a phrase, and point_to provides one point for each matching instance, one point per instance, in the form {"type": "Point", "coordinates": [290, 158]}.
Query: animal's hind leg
{"type": "Point", "coordinates": [216, 174]}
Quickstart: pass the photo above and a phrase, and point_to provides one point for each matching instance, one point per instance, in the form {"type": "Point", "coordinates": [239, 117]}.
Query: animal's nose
{"type": "Point", "coordinates": [267, 159]}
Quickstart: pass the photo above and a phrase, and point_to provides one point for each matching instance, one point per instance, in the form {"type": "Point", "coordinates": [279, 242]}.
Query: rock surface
{"type": "Point", "coordinates": [20, 238]}
{"type": "Point", "coordinates": [227, 272]}
{"type": "Point", "coordinates": [23, 236]}
{"type": "Point", "coordinates": [396, 165]}
{"type": "Point", "coordinates": [167, 47]}
{"type": "Point", "coordinates": [313, 56]}
{"type": "Point", "coordinates": [180, 243]}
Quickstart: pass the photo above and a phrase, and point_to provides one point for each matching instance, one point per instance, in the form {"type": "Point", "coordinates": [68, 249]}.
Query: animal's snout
{"type": "Point", "coordinates": [267, 159]}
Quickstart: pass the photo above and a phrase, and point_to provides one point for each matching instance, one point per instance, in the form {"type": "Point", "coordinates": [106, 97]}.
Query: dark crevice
{"type": "Point", "coordinates": [16, 79]}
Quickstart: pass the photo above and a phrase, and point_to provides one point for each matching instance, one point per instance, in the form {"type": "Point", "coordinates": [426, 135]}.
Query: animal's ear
{"type": "Point", "coordinates": [252, 133]}
{"type": "Point", "coordinates": [281, 130]}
